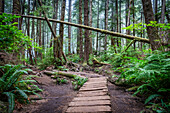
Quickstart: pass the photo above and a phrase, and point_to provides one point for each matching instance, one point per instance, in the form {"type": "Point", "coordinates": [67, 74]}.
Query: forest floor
{"type": "Point", "coordinates": [55, 98]}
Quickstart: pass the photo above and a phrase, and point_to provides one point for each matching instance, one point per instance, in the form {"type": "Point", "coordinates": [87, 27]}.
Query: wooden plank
{"type": "Point", "coordinates": [93, 86]}
{"type": "Point", "coordinates": [96, 82]}
{"type": "Point", "coordinates": [90, 103]}
{"type": "Point", "coordinates": [91, 94]}
{"type": "Point", "coordinates": [92, 89]}
{"type": "Point", "coordinates": [96, 91]}
{"type": "Point", "coordinates": [106, 97]}
{"type": "Point", "coordinates": [88, 109]}
{"type": "Point", "coordinates": [94, 79]}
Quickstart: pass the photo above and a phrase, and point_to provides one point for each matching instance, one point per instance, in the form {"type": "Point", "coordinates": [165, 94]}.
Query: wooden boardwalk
{"type": "Point", "coordinates": [92, 97]}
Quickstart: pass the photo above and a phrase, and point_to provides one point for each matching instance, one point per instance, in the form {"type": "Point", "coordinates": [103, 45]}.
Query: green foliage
{"type": "Point", "coordinates": [48, 59]}
{"type": "Point", "coordinates": [61, 80]}
{"type": "Point", "coordinates": [10, 37]}
{"type": "Point", "coordinates": [79, 82]}
{"type": "Point", "coordinates": [15, 86]}
{"type": "Point", "coordinates": [142, 26]}
{"type": "Point", "coordinates": [147, 73]}
{"type": "Point", "coordinates": [74, 58]}
{"type": "Point", "coordinates": [151, 74]}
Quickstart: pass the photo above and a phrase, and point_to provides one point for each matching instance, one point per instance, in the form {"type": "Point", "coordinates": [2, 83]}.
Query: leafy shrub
{"type": "Point", "coordinates": [14, 87]}
{"type": "Point", "coordinates": [74, 58]}
{"type": "Point", "coordinates": [48, 59]}
{"type": "Point", "coordinates": [61, 80]}
{"type": "Point", "coordinates": [10, 37]}
{"type": "Point", "coordinates": [79, 82]}
{"type": "Point", "coordinates": [151, 75]}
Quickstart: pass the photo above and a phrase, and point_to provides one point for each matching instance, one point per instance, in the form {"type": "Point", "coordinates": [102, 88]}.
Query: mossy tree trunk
{"type": "Point", "coordinates": [87, 40]}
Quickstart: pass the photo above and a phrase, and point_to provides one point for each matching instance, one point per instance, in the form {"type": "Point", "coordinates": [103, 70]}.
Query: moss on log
{"type": "Point", "coordinates": [70, 75]}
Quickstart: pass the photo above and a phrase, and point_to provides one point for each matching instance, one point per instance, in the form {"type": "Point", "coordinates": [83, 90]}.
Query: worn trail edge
{"type": "Point", "coordinates": [92, 97]}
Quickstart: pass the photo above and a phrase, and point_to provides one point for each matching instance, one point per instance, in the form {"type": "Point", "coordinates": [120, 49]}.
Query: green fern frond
{"type": "Point", "coordinates": [11, 101]}
{"type": "Point", "coordinates": [22, 93]}
{"type": "Point", "coordinates": [151, 97]}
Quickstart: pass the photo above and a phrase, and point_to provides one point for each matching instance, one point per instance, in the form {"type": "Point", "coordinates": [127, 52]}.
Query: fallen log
{"type": "Point", "coordinates": [96, 62]}
{"type": "Point", "coordinates": [70, 75]}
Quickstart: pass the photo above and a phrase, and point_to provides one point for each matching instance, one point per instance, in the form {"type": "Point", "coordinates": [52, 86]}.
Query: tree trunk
{"type": "Point", "coordinates": [152, 31]}
{"type": "Point", "coordinates": [40, 43]}
{"type": "Point", "coordinates": [87, 41]}
{"type": "Point", "coordinates": [120, 21]}
{"type": "Point", "coordinates": [69, 28]}
{"type": "Point", "coordinates": [128, 20]}
{"type": "Point", "coordinates": [33, 29]}
{"type": "Point", "coordinates": [113, 28]}
{"type": "Point", "coordinates": [23, 10]}
{"type": "Point", "coordinates": [156, 10]}
{"type": "Point", "coordinates": [55, 16]}
{"type": "Point", "coordinates": [80, 31]}
{"type": "Point", "coordinates": [106, 22]}
{"type": "Point", "coordinates": [16, 9]}
{"type": "Point", "coordinates": [97, 40]}
{"type": "Point", "coordinates": [90, 32]}
{"type": "Point", "coordinates": [2, 3]}
{"type": "Point", "coordinates": [163, 11]}
{"type": "Point", "coordinates": [134, 23]}
{"type": "Point", "coordinates": [28, 33]}
{"type": "Point", "coordinates": [117, 20]}
{"type": "Point", "coordinates": [61, 31]}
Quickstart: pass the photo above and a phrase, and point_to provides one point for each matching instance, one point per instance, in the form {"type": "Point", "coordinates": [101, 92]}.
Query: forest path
{"type": "Point", "coordinates": [92, 97]}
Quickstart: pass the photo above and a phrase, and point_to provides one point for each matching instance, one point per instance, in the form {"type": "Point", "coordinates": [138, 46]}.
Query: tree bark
{"type": "Point", "coordinates": [113, 28]}
{"type": "Point", "coordinates": [55, 16]}
{"type": "Point", "coordinates": [117, 20]}
{"type": "Point", "coordinates": [33, 30]}
{"type": "Point", "coordinates": [87, 41]}
{"type": "Point", "coordinates": [23, 10]}
{"type": "Point", "coordinates": [163, 11]}
{"type": "Point", "coordinates": [16, 9]}
{"type": "Point", "coordinates": [69, 28]}
{"type": "Point", "coordinates": [119, 43]}
{"type": "Point", "coordinates": [151, 31]}
{"type": "Point", "coordinates": [106, 22]}
{"type": "Point", "coordinates": [80, 46]}
{"type": "Point", "coordinates": [61, 30]}
{"type": "Point", "coordinates": [28, 33]}
{"type": "Point", "coordinates": [90, 32]}
{"type": "Point", "coordinates": [128, 17]}
{"type": "Point", "coordinates": [134, 23]}
{"type": "Point", "coordinates": [40, 43]}
{"type": "Point", "coordinates": [97, 39]}
{"type": "Point", "coordinates": [156, 10]}
{"type": "Point", "coordinates": [2, 3]}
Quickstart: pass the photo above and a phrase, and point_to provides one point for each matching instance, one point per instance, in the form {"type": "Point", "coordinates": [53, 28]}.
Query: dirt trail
{"type": "Point", "coordinates": [57, 98]}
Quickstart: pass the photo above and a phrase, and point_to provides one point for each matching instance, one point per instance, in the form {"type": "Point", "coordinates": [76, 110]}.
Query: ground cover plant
{"type": "Point", "coordinates": [14, 87]}
{"type": "Point", "coordinates": [148, 76]}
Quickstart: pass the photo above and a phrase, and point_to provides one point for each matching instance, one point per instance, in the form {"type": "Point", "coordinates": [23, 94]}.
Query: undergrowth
{"type": "Point", "coordinates": [147, 72]}
{"type": "Point", "coordinates": [14, 87]}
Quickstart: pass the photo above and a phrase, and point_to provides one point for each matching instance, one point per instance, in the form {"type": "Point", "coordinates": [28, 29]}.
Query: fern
{"type": "Point", "coordinates": [151, 97]}
{"type": "Point", "coordinates": [11, 101]}
{"type": "Point", "coordinates": [13, 85]}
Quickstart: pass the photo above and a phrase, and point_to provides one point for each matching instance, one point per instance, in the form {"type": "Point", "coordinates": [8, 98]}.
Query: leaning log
{"type": "Point", "coordinates": [96, 62]}
{"type": "Point", "coordinates": [91, 28]}
{"type": "Point", "coordinates": [55, 37]}
{"type": "Point", "coordinates": [140, 39]}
